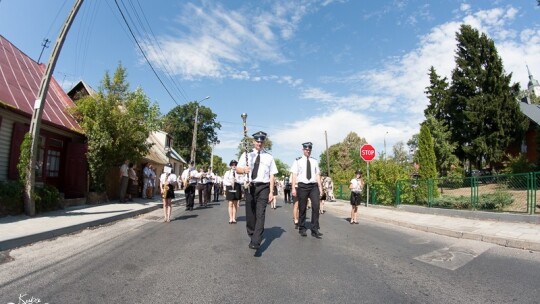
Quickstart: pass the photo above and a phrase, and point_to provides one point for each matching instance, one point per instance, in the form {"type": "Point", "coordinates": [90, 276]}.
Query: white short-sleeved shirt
{"type": "Point", "coordinates": [171, 179]}
{"type": "Point", "coordinates": [299, 167]}
{"type": "Point", "coordinates": [357, 185]}
{"type": "Point", "coordinates": [267, 165]}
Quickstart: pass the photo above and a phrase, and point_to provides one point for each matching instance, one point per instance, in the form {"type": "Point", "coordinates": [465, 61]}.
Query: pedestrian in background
{"type": "Point", "coordinates": [167, 184]}
{"type": "Point", "coordinates": [260, 167]}
{"type": "Point", "coordinates": [356, 186]}
{"type": "Point", "coordinates": [124, 178]}
{"type": "Point", "coordinates": [152, 179]}
{"type": "Point", "coordinates": [133, 183]}
{"type": "Point", "coordinates": [233, 190]}
{"type": "Point", "coordinates": [146, 180]}
{"type": "Point", "coordinates": [306, 174]}
{"type": "Point", "coordinates": [189, 177]}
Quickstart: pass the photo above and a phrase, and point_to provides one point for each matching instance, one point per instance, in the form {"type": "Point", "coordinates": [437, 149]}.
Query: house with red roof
{"type": "Point", "coordinates": [62, 149]}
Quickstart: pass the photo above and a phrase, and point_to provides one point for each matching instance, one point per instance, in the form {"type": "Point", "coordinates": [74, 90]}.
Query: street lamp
{"type": "Point", "coordinates": [194, 141]}
{"type": "Point", "coordinates": [214, 143]}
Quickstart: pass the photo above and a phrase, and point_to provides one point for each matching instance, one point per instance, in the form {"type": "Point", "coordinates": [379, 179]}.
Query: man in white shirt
{"type": "Point", "coordinates": [260, 167]}
{"type": "Point", "coordinates": [306, 174]}
{"type": "Point", "coordinates": [189, 178]}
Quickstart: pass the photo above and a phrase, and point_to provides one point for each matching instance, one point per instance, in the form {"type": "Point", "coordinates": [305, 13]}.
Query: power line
{"type": "Point", "coordinates": [143, 53]}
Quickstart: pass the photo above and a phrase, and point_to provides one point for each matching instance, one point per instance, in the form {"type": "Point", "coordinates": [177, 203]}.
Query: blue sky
{"type": "Point", "coordinates": [297, 68]}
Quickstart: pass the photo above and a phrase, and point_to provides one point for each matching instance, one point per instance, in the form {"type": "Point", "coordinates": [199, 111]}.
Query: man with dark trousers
{"type": "Point", "coordinates": [306, 174]}
{"type": "Point", "coordinates": [260, 168]}
{"type": "Point", "coordinates": [189, 178]}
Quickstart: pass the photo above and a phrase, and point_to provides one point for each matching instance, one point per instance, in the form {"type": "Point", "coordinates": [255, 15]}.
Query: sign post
{"type": "Point", "coordinates": [367, 152]}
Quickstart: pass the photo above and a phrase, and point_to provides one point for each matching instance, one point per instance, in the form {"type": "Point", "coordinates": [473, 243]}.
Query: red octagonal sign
{"type": "Point", "coordinates": [367, 152]}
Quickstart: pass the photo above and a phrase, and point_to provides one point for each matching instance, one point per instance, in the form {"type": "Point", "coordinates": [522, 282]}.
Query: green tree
{"type": "Point", "coordinates": [179, 122]}
{"type": "Point", "coordinates": [344, 158]}
{"type": "Point", "coordinates": [425, 158]}
{"type": "Point", "coordinates": [443, 147]}
{"type": "Point", "coordinates": [483, 116]}
{"type": "Point", "coordinates": [437, 94]}
{"type": "Point", "coordinates": [400, 153]}
{"type": "Point", "coordinates": [248, 141]}
{"type": "Point", "coordinates": [283, 168]}
{"type": "Point", "coordinates": [117, 123]}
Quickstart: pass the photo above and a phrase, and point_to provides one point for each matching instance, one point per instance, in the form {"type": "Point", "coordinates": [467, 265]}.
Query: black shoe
{"type": "Point", "coordinates": [254, 246]}
{"type": "Point", "coordinates": [295, 225]}
{"type": "Point", "coordinates": [187, 209]}
{"type": "Point", "coordinates": [315, 233]}
{"type": "Point", "coordinates": [303, 233]}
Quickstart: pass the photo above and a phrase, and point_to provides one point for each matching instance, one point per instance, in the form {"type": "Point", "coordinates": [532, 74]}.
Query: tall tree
{"type": "Point", "coordinates": [425, 158]}
{"type": "Point", "coordinates": [117, 123]}
{"type": "Point", "coordinates": [483, 114]}
{"type": "Point", "coordinates": [179, 124]}
{"type": "Point", "coordinates": [437, 93]}
{"type": "Point", "coordinates": [443, 147]}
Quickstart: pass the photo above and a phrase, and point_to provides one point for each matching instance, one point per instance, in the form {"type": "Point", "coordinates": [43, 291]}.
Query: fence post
{"type": "Point", "coordinates": [474, 192]}
{"type": "Point", "coordinates": [430, 192]}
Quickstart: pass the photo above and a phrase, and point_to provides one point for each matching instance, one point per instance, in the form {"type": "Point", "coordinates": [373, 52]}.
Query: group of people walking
{"type": "Point", "coordinates": [253, 176]}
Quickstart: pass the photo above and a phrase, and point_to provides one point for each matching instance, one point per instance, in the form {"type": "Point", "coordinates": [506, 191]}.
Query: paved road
{"type": "Point", "coordinates": [200, 258]}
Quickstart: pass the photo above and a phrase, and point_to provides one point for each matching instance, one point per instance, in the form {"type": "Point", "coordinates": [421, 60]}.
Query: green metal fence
{"type": "Point", "coordinates": [509, 193]}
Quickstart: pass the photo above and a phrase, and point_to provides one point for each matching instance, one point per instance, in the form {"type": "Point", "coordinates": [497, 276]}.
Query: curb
{"type": "Point", "coordinates": [501, 241]}
{"type": "Point", "coordinates": [47, 235]}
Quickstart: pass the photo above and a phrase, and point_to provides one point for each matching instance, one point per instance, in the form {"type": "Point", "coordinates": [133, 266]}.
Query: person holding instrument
{"type": "Point", "coordinates": [260, 168]}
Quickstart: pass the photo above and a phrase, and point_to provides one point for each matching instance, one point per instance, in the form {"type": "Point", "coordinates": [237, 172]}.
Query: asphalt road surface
{"type": "Point", "coordinates": [199, 258]}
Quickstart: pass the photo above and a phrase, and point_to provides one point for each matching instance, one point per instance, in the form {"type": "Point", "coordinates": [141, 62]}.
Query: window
{"type": "Point", "coordinates": [53, 163]}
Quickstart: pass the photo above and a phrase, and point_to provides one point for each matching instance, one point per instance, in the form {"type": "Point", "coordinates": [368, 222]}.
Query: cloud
{"type": "Point", "coordinates": [216, 43]}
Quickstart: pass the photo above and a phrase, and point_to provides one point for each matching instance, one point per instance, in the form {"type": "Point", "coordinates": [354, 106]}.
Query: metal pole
{"type": "Point", "coordinates": [35, 124]}
{"type": "Point", "coordinates": [327, 156]}
{"type": "Point", "coordinates": [367, 198]}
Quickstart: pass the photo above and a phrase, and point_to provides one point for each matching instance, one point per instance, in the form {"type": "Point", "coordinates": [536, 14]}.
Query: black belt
{"type": "Point", "coordinates": [259, 184]}
{"type": "Point", "coordinates": [307, 184]}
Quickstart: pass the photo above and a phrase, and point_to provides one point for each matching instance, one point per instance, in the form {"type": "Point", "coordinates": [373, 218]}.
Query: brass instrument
{"type": "Point", "coordinates": [165, 187]}
{"type": "Point", "coordinates": [244, 118]}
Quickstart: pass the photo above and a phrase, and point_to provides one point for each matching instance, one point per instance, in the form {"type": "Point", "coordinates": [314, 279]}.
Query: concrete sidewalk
{"type": "Point", "coordinates": [515, 231]}
{"type": "Point", "coordinates": [20, 230]}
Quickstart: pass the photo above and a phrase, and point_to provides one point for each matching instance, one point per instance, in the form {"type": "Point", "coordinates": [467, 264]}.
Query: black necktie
{"type": "Point", "coordinates": [308, 169]}
{"type": "Point", "coordinates": [256, 166]}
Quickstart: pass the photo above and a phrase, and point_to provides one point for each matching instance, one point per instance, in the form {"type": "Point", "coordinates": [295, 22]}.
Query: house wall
{"type": "Point", "coordinates": [12, 130]}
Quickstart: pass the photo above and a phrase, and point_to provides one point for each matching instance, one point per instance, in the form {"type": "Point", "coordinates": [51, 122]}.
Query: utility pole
{"type": "Point", "coordinates": [35, 124]}
{"type": "Point", "coordinates": [44, 45]}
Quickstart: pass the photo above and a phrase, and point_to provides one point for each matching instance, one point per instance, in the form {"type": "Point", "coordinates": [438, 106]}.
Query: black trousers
{"type": "Point", "coordinates": [217, 191]}
{"type": "Point", "coordinates": [287, 195]}
{"type": "Point", "coordinates": [304, 192]}
{"type": "Point", "coordinates": [256, 201]}
{"type": "Point", "coordinates": [189, 191]}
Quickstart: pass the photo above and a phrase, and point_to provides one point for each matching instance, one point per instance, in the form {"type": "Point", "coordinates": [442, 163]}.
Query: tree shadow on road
{"type": "Point", "coordinates": [270, 234]}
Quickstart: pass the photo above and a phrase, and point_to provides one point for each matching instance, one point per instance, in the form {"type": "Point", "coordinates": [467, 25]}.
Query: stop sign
{"type": "Point", "coordinates": [367, 152]}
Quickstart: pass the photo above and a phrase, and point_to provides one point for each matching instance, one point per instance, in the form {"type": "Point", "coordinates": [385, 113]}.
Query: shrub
{"type": "Point", "coordinates": [495, 201]}
{"type": "Point", "coordinates": [452, 202]}
{"type": "Point", "coordinates": [11, 198]}
{"type": "Point", "coordinates": [47, 198]}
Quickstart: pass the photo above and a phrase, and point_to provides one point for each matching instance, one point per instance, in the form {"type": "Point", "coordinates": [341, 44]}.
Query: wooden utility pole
{"type": "Point", "coordinates": [35, 124]}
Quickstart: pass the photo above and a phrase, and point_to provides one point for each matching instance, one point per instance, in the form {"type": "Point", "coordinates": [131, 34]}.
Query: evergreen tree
{"type": "Point", "coordinates": [425, 156]}
{"type": "Point", "coordinates": [443, 148]}
{"type": "Point", "coordinates": [483, 114]}
{"type": "Point", "coordinates": [437, 94]}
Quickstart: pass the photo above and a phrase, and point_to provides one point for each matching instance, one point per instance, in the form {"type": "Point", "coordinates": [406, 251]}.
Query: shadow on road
{"type": "Point", "coordinates": [270, 235]}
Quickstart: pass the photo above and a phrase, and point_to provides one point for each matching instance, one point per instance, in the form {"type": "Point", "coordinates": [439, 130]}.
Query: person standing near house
{"type": "Point", "coordinates": [306, 174]}
{"type": "Point", "coordinates": [260, 167]}
{"type": "Point", "coordinates": [152, 182]}
{"type": "Point", "coordinates": [133, 183]}
{"type": "Point", "coordinates": [189, 178]}
{"type": "Point", "coordinates": [146, 180]}
{"type": "Point", "coordinates": [124, 178]}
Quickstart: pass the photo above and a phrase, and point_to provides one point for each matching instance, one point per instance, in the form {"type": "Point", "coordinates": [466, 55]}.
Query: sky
{"type": "Point", "coordinates": [302, 70]}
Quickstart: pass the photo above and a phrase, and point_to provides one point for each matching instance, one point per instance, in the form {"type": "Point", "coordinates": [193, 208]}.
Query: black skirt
{"type": "Point", "coordinates": [356, 198]}
{"type": "Point", "coordinates": [233, 193]}
{"type": "Point", "coordinates": [170, 192]}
